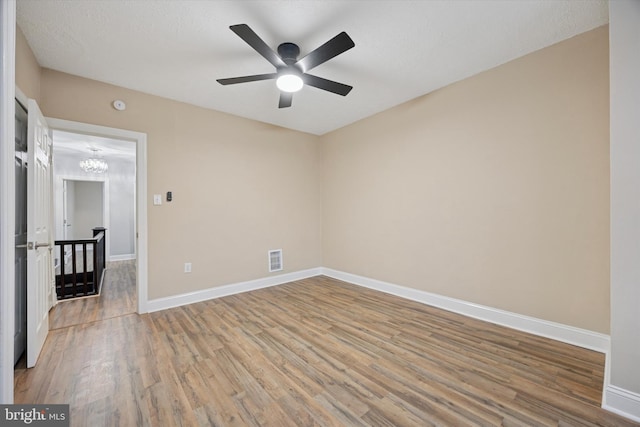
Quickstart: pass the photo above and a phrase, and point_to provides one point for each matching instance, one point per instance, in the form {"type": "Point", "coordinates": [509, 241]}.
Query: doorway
{"type": "Point", "coordinates": [20, 333]}
{"type": "Point", "coordinates": [138, 210]}
{"type": "Point", "coordinates": [83, 208]}
{"type": "Point", "coordinates": [79, 207]}
{"type": "Point", "coordinates": [87, 197]}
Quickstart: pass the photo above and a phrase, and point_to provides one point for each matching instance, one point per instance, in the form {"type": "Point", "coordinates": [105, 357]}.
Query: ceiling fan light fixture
{"type": "Point", "coordinates": [289, 83]}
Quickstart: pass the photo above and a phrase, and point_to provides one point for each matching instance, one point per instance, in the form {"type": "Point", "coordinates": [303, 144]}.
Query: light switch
{"type": "Point", "coordinates": [157, 199]}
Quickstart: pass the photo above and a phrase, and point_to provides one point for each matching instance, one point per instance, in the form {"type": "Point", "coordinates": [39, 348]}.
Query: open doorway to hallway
{"type": "Point", "coordinates": [94, 189]}
{"type": "Point", "coordinates": [136, 215]}
{"type": "Point", "coordinates": [78, 205]}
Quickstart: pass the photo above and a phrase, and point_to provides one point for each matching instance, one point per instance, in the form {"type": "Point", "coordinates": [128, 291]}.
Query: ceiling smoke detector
{"type": "Point", "coordinates": [119, 105]}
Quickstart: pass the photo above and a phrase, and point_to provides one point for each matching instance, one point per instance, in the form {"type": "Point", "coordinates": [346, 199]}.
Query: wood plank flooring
{"type": "Point", "coordinates": [316, 352]}
{"type": "Point", "coordinates": [117, 297]}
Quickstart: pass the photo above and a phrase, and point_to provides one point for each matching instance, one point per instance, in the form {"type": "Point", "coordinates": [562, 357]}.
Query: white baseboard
{"type": "Point", "coordinates": [557, 331]}
{"type": "Point", "coordinates": [231, 289]}
{"type": "Point", "coordinates": [622, 402]}
{"type": "Point", "coordinates": [125, 257]}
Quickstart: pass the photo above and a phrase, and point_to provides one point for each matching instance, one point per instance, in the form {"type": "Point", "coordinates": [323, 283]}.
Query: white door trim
{"type": "Point", "coordinates": [7, 196]}
{"type": "Point", "coordinates": [141, 191]}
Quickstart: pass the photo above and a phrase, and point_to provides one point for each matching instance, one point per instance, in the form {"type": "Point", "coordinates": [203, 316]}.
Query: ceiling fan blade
{"type": "Point", "coordinates": [246, 79]}
{"type": "Point", "coordinates": [328, 85]}
{"type": "Point", "coordinates": [253, 40]}
{"type": "Point", "coordinates": [285, 99]}
{"type": "Point", "coordinates": [334, 47]}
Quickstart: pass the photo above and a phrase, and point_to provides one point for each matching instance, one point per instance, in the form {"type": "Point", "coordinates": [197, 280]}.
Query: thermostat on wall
{"type": "Point", "coordinates": [119, 105]}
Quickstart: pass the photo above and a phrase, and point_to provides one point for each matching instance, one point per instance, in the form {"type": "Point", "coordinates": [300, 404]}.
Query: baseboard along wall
{"type": "Point", "coordinates": [125, 257]}
{"type": "Point", "coordinates": [557, 331]}
{"type": "Point", "coordinates": [226, 290]}
{"type": "Point", "coordinates": [622, 402]}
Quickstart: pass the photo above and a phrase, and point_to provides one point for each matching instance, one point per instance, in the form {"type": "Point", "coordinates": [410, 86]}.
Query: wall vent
{"type": "Point", "coordinates": [275, 260]}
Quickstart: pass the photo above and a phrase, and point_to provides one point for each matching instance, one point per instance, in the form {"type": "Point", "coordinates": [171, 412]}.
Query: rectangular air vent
{"type": "Point", "coordinates": [275, 260]}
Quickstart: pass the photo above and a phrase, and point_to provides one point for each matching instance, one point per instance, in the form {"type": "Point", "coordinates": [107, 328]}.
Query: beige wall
{"type": "Point", "coordinates": [27, 68]}
{"type": "Point", "coordinates": [494, 190]}
{"type": "Point", "coordinates": [239, 187]}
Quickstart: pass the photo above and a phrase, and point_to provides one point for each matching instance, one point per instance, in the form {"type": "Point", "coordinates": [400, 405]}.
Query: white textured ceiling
{"type": "Point", "coordinates": [178, 48]}
{"type": "Point", "coordinates": [81, 146]}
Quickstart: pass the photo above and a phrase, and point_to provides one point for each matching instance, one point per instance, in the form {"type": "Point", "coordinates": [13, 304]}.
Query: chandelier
{"type": "Point", "coordinates": [94, 164]}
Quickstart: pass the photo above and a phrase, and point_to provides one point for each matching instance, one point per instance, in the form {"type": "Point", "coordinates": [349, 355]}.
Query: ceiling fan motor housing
{"type": "Point", "coordinates": [289, 52]}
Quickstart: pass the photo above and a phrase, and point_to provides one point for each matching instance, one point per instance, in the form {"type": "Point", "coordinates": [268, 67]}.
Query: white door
{"type": "Point", "coordinates": [40, 275]}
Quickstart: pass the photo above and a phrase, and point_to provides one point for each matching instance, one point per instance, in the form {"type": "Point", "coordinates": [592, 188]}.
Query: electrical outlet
{"type": "Point", "coordinates": [187, 267]}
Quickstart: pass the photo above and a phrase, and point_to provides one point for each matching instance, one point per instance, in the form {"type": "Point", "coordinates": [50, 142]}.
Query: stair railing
{"type": "Point", "coordinates": [79, 281]}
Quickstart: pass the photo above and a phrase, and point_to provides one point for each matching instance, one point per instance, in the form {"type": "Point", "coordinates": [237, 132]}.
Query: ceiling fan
{"type": "Point", "coordinates": [291, 73]}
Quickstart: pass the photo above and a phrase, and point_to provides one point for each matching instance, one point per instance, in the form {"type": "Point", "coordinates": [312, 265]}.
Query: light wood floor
{"type": "Point", "coordinates": [316, 352]}
{"type": "Point", "coordinates": [117, 297]}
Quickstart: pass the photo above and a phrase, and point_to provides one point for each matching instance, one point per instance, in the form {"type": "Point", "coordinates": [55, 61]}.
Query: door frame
{"type": "Point", "coordinates": [7, 196]}
{"type": "Point", "coordinates": [140, 139]}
